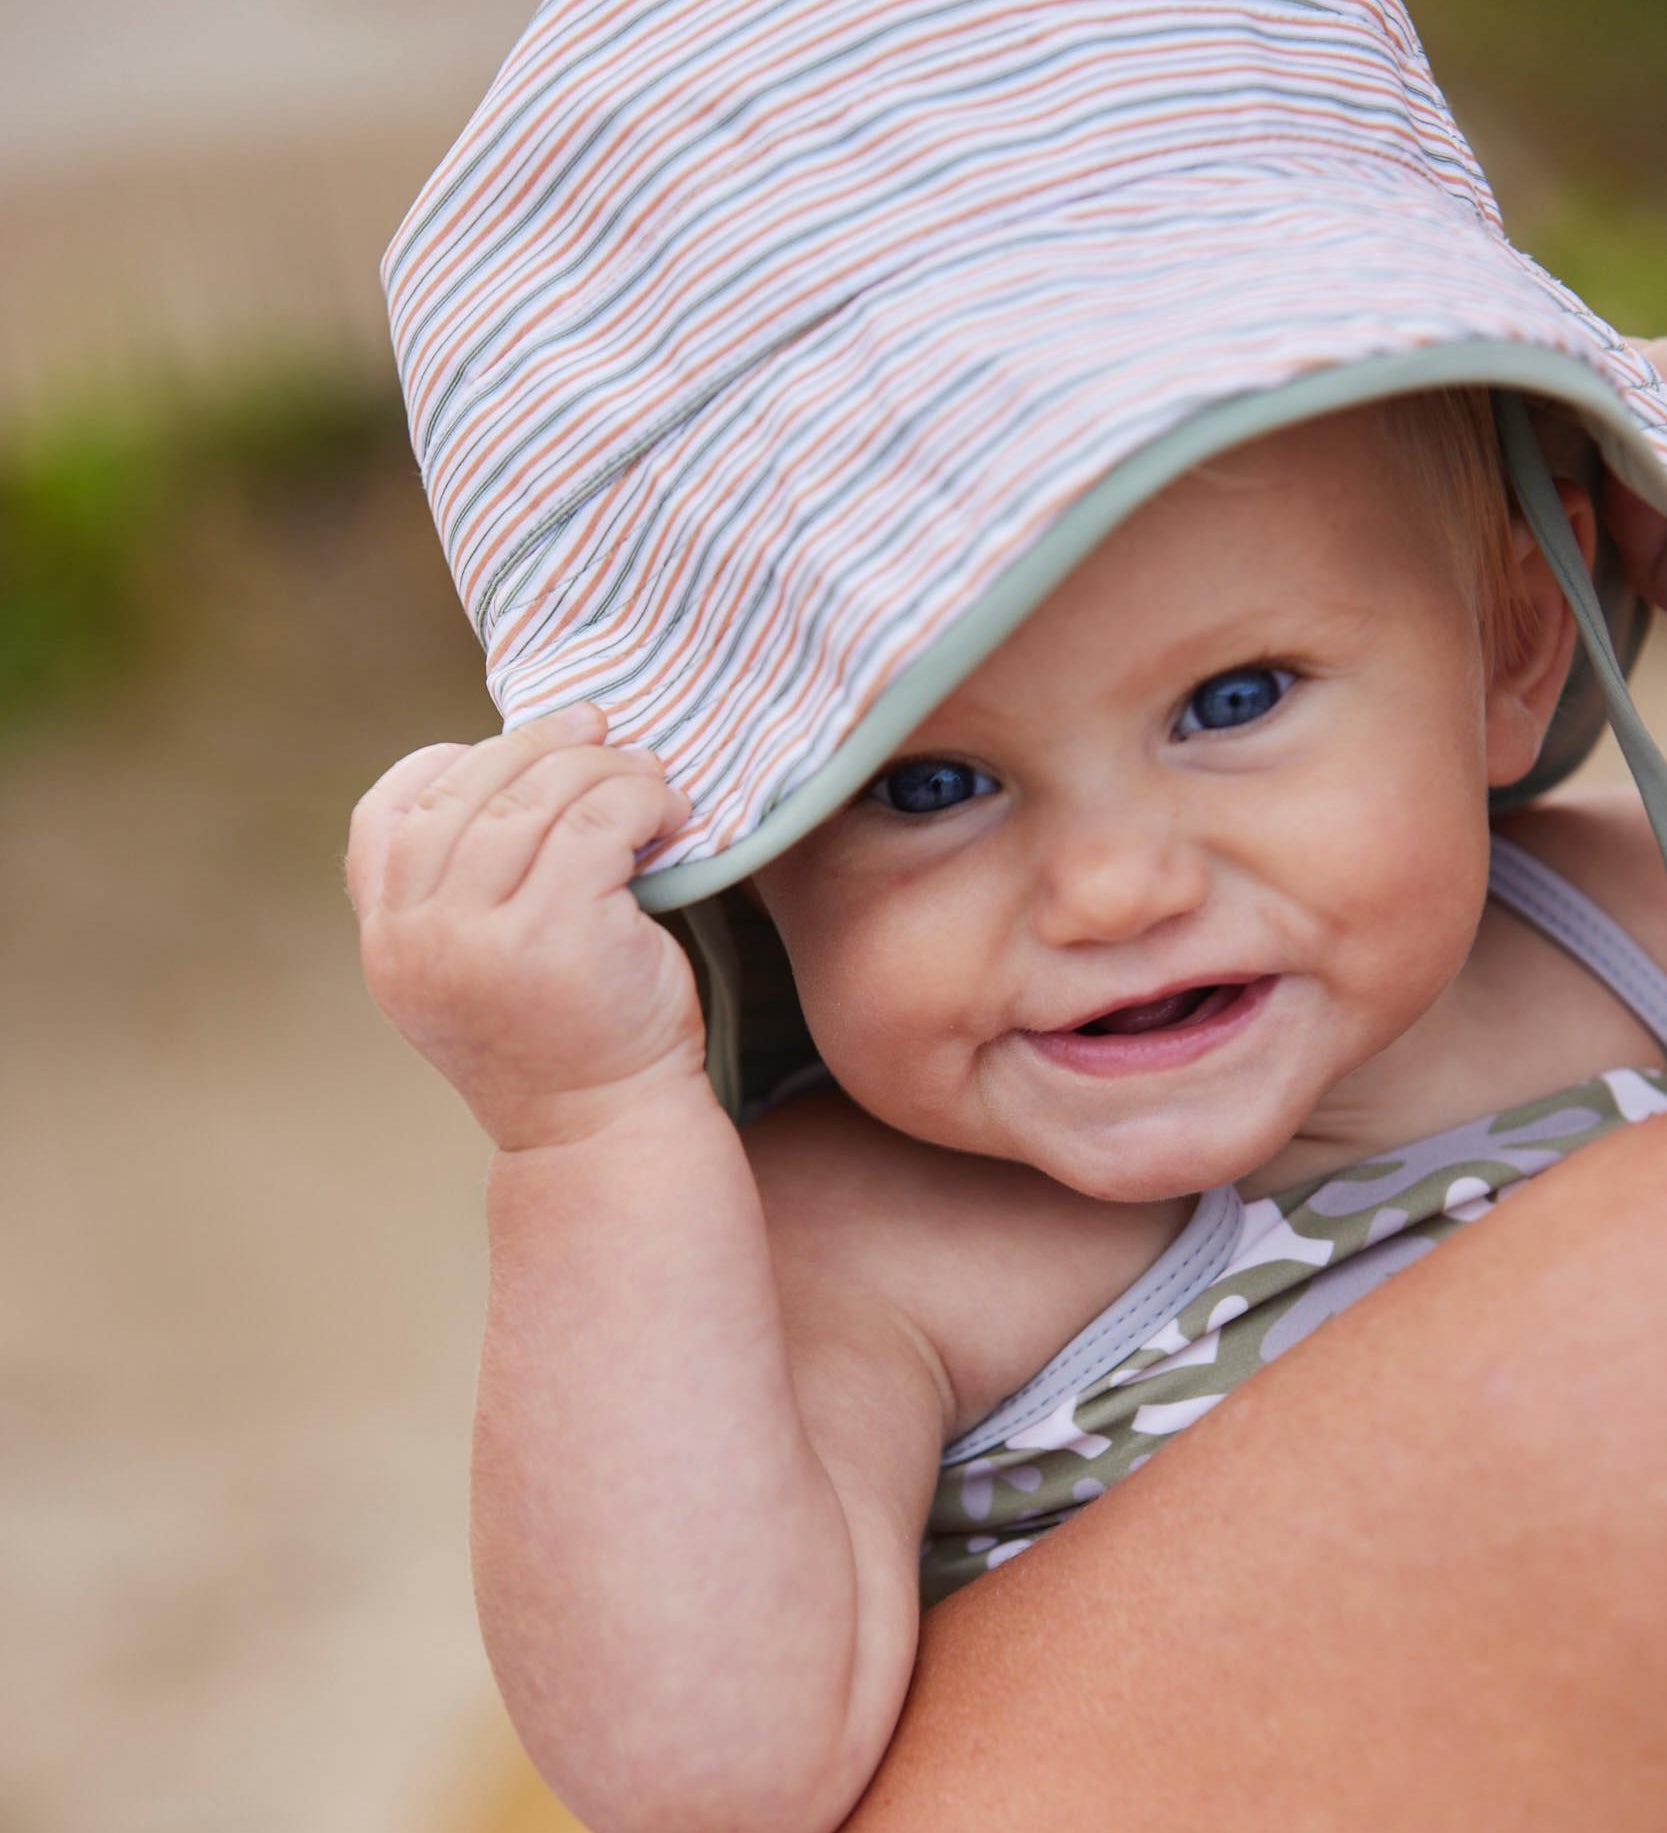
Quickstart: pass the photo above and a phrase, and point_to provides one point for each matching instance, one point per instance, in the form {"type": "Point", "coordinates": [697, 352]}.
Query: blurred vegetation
{"type": "Point", "coordinates": [1565, 103]}
{"type": "Point", "coordinates": [1572, 95]}
{"type": "Point", "coordinates": [1584, 82]}
{"type": "Point", "coordinates": [76, 515]}
{"type": "Point", "coordinates": [1612, 249]}
{"type": "Point", "coordinates": [93, 501]}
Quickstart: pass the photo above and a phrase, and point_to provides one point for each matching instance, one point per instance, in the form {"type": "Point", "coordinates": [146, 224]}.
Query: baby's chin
{"type": "Point", "coordinates": [1154, 1163]}
{"type": "Point", "coordinates": [1157, 1158]}
{"type": "Point", "coordinates": [1136, 1182]}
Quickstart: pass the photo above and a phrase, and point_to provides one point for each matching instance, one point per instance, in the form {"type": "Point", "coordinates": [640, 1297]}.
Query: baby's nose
{"type": "Point", "coordinates": [1111, 878]}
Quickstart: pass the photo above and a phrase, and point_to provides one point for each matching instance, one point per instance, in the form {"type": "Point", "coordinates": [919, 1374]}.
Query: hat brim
{"type": "Point", "coordinates": [887, 494]}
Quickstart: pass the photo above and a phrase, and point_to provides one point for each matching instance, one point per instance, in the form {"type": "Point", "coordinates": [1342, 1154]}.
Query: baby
{"type": "Point", "coordinates": [1133, 963]}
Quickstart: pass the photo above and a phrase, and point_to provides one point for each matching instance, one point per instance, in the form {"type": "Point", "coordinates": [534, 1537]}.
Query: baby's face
{"type": "Point", "coordinates": [1221, 799]}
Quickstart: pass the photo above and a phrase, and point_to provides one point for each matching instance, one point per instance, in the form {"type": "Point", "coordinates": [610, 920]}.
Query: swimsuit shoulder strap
{"type": "Point", "coordinates": [1569, 917]}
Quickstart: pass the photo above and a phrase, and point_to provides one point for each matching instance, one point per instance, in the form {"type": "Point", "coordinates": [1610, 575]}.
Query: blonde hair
{"type": "Point", "coordinates": [1448, 445]}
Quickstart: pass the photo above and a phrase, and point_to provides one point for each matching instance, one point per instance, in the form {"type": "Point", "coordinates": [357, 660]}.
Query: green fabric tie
{"type": "Point", "coordinates": [1543, 508]}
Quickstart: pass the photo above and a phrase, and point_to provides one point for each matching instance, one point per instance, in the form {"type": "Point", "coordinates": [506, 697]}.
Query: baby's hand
{"type": "Point", "coordinates": [498, 935]}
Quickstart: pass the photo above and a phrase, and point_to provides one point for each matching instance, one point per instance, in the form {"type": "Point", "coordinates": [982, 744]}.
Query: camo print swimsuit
{"type": "Point", "coordinates": [1243, 1281]}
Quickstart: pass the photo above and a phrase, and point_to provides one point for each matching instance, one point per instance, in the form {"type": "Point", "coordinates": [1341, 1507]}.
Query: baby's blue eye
{"type": "Point", "coordinates": [928, 784]}
{"type": "Point", "coordinates": [1234, 699]}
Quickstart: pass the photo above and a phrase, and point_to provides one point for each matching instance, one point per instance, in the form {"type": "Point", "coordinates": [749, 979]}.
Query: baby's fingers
{"type": "Point", "coordinates": [430, 824]}
{"type": "Point", "coordinates": [495, 850]}
{"type": "Point", "coordinates": [370, 829]}
{"type": "Point", "coordinates": [591, 848]}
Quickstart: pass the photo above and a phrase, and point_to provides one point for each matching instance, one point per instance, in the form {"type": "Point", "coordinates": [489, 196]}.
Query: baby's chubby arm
{"type": "Point", "coordinates": [697, 1589]}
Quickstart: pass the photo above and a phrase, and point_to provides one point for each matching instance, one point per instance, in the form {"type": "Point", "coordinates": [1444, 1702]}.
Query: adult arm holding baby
{"type": "Point", "coordinates": [699, 1612]}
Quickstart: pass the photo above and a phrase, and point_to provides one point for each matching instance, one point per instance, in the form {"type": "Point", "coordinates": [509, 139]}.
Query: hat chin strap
{"type": "Point", "coordinates": [709, 931]}
{"type": "Point", "coordinates": [1543, 510]}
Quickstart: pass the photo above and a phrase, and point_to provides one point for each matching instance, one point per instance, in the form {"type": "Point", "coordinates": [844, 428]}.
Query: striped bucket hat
{"type": "Point", "coordinates": [768, 360]}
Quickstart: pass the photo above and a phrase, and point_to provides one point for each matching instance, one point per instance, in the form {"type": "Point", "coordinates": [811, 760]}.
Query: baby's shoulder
{"type": "Point", "coordinates": [1601, 841]}
{"type": "Point", "coordinates": [994, 1263]}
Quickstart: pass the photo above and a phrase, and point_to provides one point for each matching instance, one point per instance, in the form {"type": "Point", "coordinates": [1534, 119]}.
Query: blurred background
{"type": "Point", "coordinates": [243, 1237]}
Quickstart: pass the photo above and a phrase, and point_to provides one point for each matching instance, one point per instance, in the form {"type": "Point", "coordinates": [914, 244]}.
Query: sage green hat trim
{"type": "Point", "coordinates": [1080, 527]}
{"type": "Point", "coordinates": [1085, 522]}
{"type": "Point", "coordinates": [722, 1001]}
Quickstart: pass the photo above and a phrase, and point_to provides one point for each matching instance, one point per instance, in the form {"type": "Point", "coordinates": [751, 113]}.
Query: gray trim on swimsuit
{"type": "Point", "coordinates": [1191, 1262]}
{"type": "Point", "coordinates": [1205, 1245]}
{"type": "Point", "coordinates": [1569, 917]}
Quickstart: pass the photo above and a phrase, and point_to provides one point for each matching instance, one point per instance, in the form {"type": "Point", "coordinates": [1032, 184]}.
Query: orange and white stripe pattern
{"type": "Point", "coordinates": [746, 342]}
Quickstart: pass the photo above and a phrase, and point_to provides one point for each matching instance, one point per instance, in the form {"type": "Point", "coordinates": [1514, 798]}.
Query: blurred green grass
{"type": "Point", "coordinates": [1575, 94]}
{"type": "Point", "coordinates": [1612, 249]}
{"type": "Point", "coordinates": [94, 499]}
{"type": "Point", "coordinates": [78, 511]}
{"type": "Point", "coordinates": [1584, 81]}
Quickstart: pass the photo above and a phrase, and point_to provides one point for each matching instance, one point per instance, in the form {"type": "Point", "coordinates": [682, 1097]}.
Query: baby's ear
{"type": "Point", "coordinates": [1527, 680]}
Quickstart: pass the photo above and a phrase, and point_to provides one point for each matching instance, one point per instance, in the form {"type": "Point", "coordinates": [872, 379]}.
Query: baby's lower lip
{"type": "Point", "coordinates": [1222, 1016]}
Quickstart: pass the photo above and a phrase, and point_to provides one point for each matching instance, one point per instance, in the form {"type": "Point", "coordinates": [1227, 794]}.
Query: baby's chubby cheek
{"type": "Point", "coordinates": [1402, 912]}
{"type": "Point", "coordinates": [891, 1022]}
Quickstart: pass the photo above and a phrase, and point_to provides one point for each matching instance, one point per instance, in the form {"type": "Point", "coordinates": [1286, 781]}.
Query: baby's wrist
{"type": "Point", "coordinates": [663, 1098]}
{"type": "Point", "coordinates": [630, 1158]}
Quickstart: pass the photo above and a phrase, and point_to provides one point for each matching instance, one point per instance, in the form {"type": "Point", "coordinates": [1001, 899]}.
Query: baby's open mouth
{"type": "Point", "coordinates": [1174, 1012]}
{"type": "Point", "coordinates": [1157, 1035]}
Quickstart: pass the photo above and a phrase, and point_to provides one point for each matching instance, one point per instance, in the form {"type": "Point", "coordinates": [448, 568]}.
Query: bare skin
{"type": "Point", "coordinates": [1410, 1577]}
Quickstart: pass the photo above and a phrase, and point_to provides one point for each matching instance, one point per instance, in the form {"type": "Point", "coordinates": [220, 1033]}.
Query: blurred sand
{"type": "Point", "coordinates": [237, 1348]}
{"type": "Point", "coordinates": [238, 1330]}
